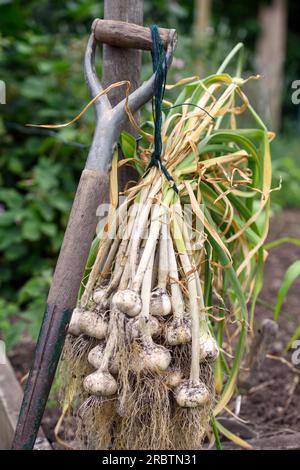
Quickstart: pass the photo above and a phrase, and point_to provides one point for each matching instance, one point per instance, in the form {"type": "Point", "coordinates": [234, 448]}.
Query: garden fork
{"type": "Point", "coordinates": [91, 192]}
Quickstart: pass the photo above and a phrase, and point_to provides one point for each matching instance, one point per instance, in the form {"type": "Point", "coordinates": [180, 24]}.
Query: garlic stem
{"type": "Point", "coordinates": [178, 331]}
{"type": "Point", "coordinates": [142, 220]}
{"type": "Point", "coordinates": [111, 342]}
{"type": "Point", "coordinates": [101, 382]}
{"type": "Point", "coordinates": [125, 275]}
{"type": "Point", "coordinates": [187, 242]}
{"type": "Point", "coordinates": [145, 294]}
{"type": "Point", "coordinates": [193, 301]}
{"type": "Point", "coordinates": [155, 270]}
{"type": "Point", "coordinates": [122, 241]}
{"type": "Point", "coordinates": [176, 294]}
{"type": "Point", "coordinates": [155, 226]}
{"type": "Point", "coordinates": [121, 258]}
{"type": "Point", "coordinates": [103, 251]}
{"type": "Point", "coordinates": [208, 348]}
{"type": "Point", "coordinates": [163, 267]}
{"type": "Point", "coordinates": [160, 303]}
{"type": "Point", "coordinates": [148, 250]}
{"type": "Point", "coordinates": [153, 357]}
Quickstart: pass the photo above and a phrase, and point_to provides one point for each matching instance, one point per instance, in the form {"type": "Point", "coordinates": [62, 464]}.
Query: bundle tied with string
{"type": "Point", "coordinates": [158, 335]}
{"type": "Point", "coordinates": [160, 70]}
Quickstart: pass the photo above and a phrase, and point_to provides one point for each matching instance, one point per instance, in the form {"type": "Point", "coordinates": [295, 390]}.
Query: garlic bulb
{"type": "Point", "coordinates": [209, 350]}
{"type": "Point", "coordinates": [152, 357]}
{"type": "Point", "coordinates": [178, 332]}
{"type": "Point", "coordinates": [190, 394]}
{"type": "Point", "coordinates": [74, 326]}
{"type": "Point", "coordinates": [95, 358]}
{"type": "Point", "coordinates": [93, 324]}
{"type": "Point", "coordinates": [160, 303]}
{"type": "Point", "coordinates": [99, 297]}
{"type": "Point", "coordinates": [136, 331]}
{"type": "Point", "coordinates": [173, 378]}
{"type": "Point", "coordinates": [128, 302]}
{"type": "Point", "coordinates": [100, 383]}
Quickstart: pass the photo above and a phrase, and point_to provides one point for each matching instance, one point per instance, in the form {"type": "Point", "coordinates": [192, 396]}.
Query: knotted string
{"type": "Point", "coordinates": [160, 69]}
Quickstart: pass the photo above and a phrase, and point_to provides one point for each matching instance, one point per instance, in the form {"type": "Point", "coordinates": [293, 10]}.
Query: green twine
{"type": "Point", "coordinates": [160, 69]}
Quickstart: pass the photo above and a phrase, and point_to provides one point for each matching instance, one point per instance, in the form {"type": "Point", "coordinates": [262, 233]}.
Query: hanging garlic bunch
{"type": "Point", "coordinates": [144, 327]}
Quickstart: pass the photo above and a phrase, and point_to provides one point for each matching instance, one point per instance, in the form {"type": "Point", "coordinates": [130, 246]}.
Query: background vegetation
{"type": "Point", "coordinates": [41, 51]}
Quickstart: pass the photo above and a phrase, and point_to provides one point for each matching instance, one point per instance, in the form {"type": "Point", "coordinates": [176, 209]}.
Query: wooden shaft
{"type": "Point", "coordinates": [91, 192]}
{"type": "Point", "coordinates": [126, 35]}
{"type": "Point", "coordinates": [122, 64]}
{"type": "Point", "coordinates": [93, 187]}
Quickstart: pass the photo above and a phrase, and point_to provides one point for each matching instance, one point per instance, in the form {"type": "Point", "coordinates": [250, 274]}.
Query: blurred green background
{"type": "Point", "coordinates": [41, 51]}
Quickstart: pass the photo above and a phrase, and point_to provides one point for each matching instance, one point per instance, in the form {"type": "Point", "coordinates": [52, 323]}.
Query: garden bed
{"type": "Point", "coordinates": [272, 406]}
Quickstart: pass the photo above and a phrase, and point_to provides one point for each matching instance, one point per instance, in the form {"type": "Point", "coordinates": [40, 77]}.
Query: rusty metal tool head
{"type": "Point", "coordinates": [91, 192]}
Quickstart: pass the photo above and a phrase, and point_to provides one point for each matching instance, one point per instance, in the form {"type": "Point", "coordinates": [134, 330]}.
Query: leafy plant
{"type": "Point", "coordinates": [223, 173]}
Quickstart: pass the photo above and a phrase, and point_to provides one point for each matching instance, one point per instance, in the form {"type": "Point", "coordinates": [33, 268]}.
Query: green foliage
{"type": "Point", "coordinates": [286, 169]}
{"type": "Point", "coordinates": [42, 68]}
{"type": "Point", "coordinates": [296, 335]}
{"type": "Point", "coordinates": [289, 278]}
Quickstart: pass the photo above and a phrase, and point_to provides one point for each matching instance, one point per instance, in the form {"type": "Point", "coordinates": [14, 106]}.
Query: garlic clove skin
{"type": "Point", "coordinates": [100, 383]}
{"type": "Point", "coordinates": [95, 358]}
{"type": "Point", "coordinates": [209, 350]}
{"type": "Point", "coordinates": [95, 355]}
{"type": "Point", "coordinates": [74, 326]}
{"type": "Point", "coordinates": [99, 297]}
{"type": "Point", "coordinates": [127, 301]}
{"type": "Point", "coordinates": [178, 332]}
{"type": "Point", "coordinates": [135, 328]}
{"type": "Point", "coordinates": [173, 378]}
{"type": "Point", "coordinates": [160, 303]}
{"type": "Point", "coordinates": [191, 394]}
{"type": "Point", "coordinates": [92, 324]}
{"type": "Point", "coordinates": [153, 357]}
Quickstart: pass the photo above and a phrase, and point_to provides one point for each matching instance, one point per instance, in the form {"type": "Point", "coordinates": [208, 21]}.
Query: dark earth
{"type": "Point", "coordinates": [271, 406]}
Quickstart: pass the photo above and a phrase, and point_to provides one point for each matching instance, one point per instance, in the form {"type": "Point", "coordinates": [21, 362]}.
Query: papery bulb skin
{"type": "Point", "coordinates": [191, 394]}
{"type": "Point", "coordinates": [128, 302]}
{"type": "Point", "coordinates": [160, 303]}
{"type": "Point", "coordinates": [100, 383]}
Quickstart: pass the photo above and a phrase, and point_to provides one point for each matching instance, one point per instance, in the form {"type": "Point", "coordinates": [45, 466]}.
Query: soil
{"type": "Point", "coordinates": [271, 406]}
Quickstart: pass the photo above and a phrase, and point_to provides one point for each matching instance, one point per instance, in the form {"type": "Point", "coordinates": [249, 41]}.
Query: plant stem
{"type": "Point", "coordinates": [146, 294]}
{"type": "Point", "coordinates": [102, 253]}
{"type": "Point", "coordinates": [230, 56]}
{"type": "Point", "coordinates": [142, 219]}
{"type": "Point", "coordinates": [120, 262]}
{"type": "Point", "coordinates": [216, 433]}
{"type": "Point", "coordinates": [163, 267]}
{"type": "Point", "coordinates": [111, 342]}
{"type": "Point", "coordinates": [192, 289]}
{"type": "Point", "coordinates": [149, 249]}
{"type": "Point", "coordinates": [176, 294]}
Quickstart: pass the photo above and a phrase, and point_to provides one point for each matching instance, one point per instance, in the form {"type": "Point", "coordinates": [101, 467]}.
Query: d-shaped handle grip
{"type": "Point", "coordinates": [128, 35]}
